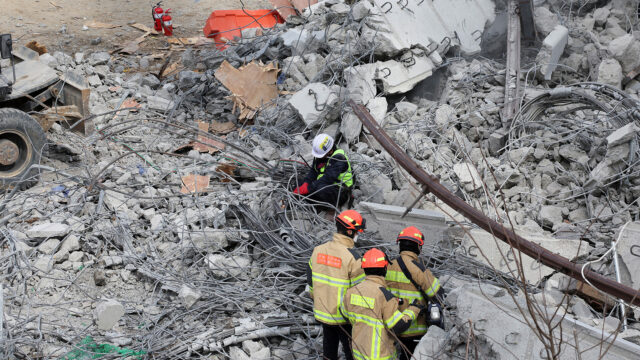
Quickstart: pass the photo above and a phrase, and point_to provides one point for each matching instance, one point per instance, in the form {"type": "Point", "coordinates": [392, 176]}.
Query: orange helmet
{"type": "Point", "coordinates": [351, 220]}
{"type": "Point", "coordinates": [412, 234]}
{"type": "Point", "coordinates": [374, 258]}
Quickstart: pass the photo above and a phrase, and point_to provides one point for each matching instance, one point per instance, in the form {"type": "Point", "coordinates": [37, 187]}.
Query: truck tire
{"type": "Point", "coordinates": [22, 142]}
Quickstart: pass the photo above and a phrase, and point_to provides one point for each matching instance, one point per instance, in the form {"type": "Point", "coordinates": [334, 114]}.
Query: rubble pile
{"type": "Point", "coordinates": [172, 231]}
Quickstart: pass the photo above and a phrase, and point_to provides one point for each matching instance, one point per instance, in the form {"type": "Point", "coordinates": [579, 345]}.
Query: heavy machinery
{"type": "Point", "coordinates": [22, 139]}
{"type": "Point", "coordinates": [26, 86]}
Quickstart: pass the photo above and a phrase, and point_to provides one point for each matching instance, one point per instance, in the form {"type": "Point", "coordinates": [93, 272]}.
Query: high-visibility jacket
{"type": "Point", "coordinates": [401, 287]}
{"type": "Point", "coordinates": [335, 171]}
{"type": "Point", "coordinates": [333, 268]}
{"type": "Point", "coordinates": [374, 316]}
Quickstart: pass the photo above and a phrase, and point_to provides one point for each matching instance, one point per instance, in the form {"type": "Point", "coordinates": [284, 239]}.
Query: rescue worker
{"type": "Point", "coordinates": [374, 312]}
{"type": "Point", "coordinates": [405, 272]}
{"type": "Point", "coordinates": [333, 268]}
{"type": "Point", "coordinates": [330, 179]}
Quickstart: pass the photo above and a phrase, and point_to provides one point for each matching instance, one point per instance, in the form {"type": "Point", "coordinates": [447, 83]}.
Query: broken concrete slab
{"type": "Point", "coordinates": [480, 244]}
{"type": "Point", "coordinates": [497, 320]}
{"type": "Point", "coordinates": [431, 23]}
{"type": "Point", "coordinates": [387, 221]}
{"type": "Point", "coordinates": [108, 313]}
{"type": "Point", "coordinates": [622, 135]}
{"type": "Point", "coordinates": [316, 103]}
{"type": "Point", "coordinates": [159, 103]}
{"type": "Point", "coordinates": [552, 48]}
{"type": "Point", "coordinates": [401, 76]}
{"type": "Point", "coordinates": [361, 85]}
{"type": "Point", "coordinates": [629, 253]}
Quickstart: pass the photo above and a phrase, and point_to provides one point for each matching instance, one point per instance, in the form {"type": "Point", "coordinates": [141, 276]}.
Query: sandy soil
{"type": "Point", "coordinates": [42, 20]}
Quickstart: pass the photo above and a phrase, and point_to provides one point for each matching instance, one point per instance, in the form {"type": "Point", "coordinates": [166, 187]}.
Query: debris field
{"type": "Point", "coordinates": [166, 228]}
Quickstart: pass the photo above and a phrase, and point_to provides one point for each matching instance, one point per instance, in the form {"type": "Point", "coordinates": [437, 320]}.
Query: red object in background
{"type": "Point", "coordinates": [157, 13]}
{"type": "Point", "coordinates": [224, 25]}
{"type": "Point", "coordinates": [167, 24]}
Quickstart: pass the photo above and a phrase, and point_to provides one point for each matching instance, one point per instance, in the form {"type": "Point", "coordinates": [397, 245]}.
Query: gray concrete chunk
{"type": "Point", "coordinates": [47, 230]}
{"type": "Point", "coordinates": [108, 313]}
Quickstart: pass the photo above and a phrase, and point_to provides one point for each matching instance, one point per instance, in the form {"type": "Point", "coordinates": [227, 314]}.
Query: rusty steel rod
{"type": "Point", "coordinates": [530, 249]}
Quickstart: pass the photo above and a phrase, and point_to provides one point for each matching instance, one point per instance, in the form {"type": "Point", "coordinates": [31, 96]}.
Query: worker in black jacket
{"type": "Point", "coordinates": [330, 179]}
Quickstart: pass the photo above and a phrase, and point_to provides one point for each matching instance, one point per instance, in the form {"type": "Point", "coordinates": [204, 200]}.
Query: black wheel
{"type": "Point", "coordinates": [22, 142]}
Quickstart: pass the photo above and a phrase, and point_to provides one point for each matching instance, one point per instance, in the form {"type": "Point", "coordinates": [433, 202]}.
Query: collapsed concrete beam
{"type": "Point", "coordinates": [503, 258]}
{"type": "Point", "coordinates": [504, 334]}
{"type": "Point", "coordinates": [460, 22]}
{"type": "Point", "coordinates": [386, 219]}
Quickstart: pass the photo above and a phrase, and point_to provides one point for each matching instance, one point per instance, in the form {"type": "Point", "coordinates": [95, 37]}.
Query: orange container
{"type": "Point", "coordinates": [224, 25]}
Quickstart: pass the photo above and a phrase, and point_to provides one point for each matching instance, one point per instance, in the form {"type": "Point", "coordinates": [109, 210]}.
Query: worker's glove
{"type": "Point", "coordinates": [302, 189]}
{"type": "Point", "coordinates": [435, 316]}
{"type": "Point", "coordinates": [416, 304]}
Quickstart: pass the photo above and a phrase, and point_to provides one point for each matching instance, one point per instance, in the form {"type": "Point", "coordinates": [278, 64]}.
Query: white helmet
{"type": "Point", "coordinates": [322, 143]}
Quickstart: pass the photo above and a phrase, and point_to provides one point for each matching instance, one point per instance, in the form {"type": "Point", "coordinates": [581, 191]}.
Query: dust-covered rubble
{"type": "Point", "coordinates": [125, 252]}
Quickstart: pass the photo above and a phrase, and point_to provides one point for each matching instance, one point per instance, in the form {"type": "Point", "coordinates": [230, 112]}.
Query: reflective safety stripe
{"type": "Point", "coordinates": [406, 294]}
{"type": "Point", "coordinates": [362, 301]}
{"type": "Point", "coordinates": [397, 316]}
{"type": "Point", "coordinates": [346, 177]}
{"type": "Point", "coordinates": [335, 282]}
{"type": "Point", "coordinates": [357, 280]}
{"type": "Point", "coordinates": [397, 276]}
{"type": "Point", "coordinates": [415, 329]}
{"type": "Point", "coordinates": [360, 356]}
{"type": "Point", "coordinates": [371, 321]}
{"type": "Point", "coordinates": [329, 318]}
{"type": "Point", "coordinates": [433, 290]}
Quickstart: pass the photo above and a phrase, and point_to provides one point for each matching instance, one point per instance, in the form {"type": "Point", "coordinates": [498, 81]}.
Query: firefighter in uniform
{"type": "Point", "coordinates": [374, 312]}
{"type": "Point", "coordinates": [333, 268]}
{"type": "Point", "coordinates": [330, 179]}
{"type": "Point", "coordinates": [404, 271]}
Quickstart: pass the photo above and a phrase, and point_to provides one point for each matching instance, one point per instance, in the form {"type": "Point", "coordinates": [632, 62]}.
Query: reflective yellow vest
{"type": "Point", "coordinates": [346, 177]}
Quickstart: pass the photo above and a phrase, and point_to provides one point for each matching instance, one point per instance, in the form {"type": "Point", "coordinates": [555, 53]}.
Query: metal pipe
{"type": "Point", "coordinates": [530, 249]}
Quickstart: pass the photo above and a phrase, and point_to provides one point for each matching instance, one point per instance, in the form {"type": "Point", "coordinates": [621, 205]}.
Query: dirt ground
{"type": "Point", "coordinates": [44, 20]}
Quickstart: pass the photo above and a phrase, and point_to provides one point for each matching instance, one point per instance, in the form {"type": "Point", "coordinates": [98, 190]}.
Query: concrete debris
{"type": "Point", "coordinates": [545, 20]}
{"type": "Point", "coordinates": [610, 73]}
{"type": "Point", "coordinates": [316, 103]}
{"type": "Point", "coordinates": [402, 76]}
{"type": "Point", "coordinates": [189, 296]}
{"type": "Point", "coordinates": [622, 135]}
{"type": "Point", "coordinates": [628, 252]}
{"type": "Point", "coordinates": [48, 230]}
{"type": "Point", "coordinates": [108, 313]}
{"type": "Point", "coordinates": [179, 205]}
{"type": "Point", "coordinates": [626, 49]}
{"type": "Point", "coordinates": [423, 24]}
{"type": "Point", "coordinates": [490, 250]}
{"type": "Point", "coordinates": [552, 48]}
{"type": "Point", "coordinates": [497, 321]}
